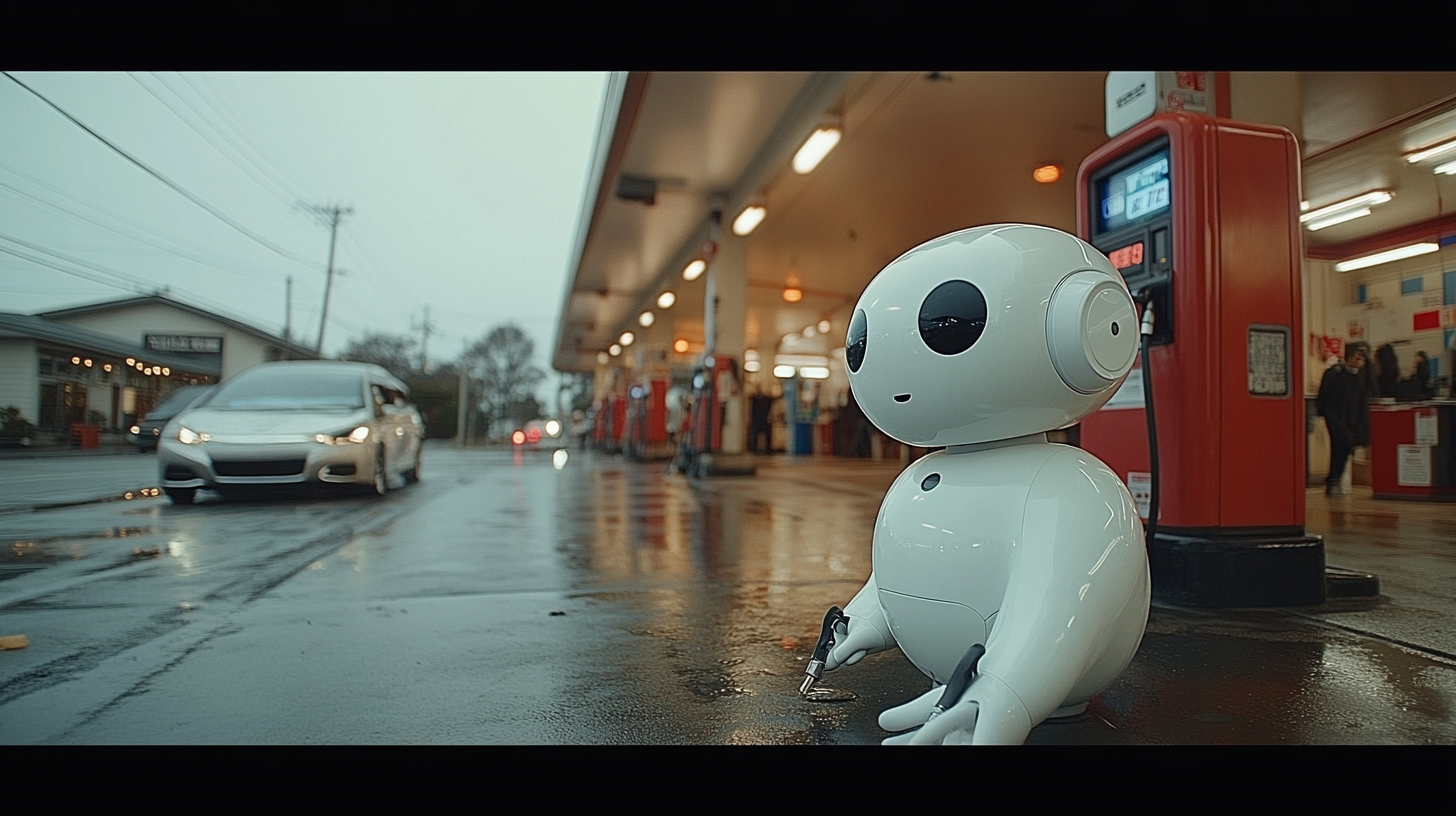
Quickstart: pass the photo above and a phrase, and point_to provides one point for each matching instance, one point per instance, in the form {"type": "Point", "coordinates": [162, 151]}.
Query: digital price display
{"type": "Point", "coordinates": [1130, 255]}
{"type": "Point", "coordinates": [1136, 194]}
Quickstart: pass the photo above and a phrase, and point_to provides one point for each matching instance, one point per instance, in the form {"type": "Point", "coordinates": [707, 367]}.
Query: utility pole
{"type": "Point", "coordinates": [288, 310]}
{"type": "Point", "coordinates": [426, 328]}
{"type": "Point", "coordinates": [331, 216]}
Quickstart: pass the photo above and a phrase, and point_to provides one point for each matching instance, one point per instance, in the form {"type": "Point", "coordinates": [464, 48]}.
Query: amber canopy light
{"type": "Point", "coordinates": [665, 300]}
{"type": "Point", "coordinates": [680, 346]}
{"type": "Point", "coordinates": [1047, 173]}
{"type": "Point", "coordinates": [793, 294]}
{"type": "Point", "coordinates": [749, 219]}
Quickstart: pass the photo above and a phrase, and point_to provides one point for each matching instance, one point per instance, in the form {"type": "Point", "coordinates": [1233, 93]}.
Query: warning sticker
{"type": "Point", "coordinates": [1140, 485]}
{"type": "Point", "coordinates": [1269, 361]}
{"type": "Point", "coordinates": [1413, 465]}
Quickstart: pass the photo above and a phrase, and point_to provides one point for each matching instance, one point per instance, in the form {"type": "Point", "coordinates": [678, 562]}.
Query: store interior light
{"type": "Point", "coordinates": [752, 366]}
{"type": "Point", "coordinates": [603, 358]}
{"type": "Point", "coordinates": [1046, 174]}
{"type": "Point", "coordinates": [1386, 257]}
{"type": "Point", "coordinates": [1447, 169]}
{"type": "Point", "coordinates": [614, 350]}
{"type": "Point", "coordinates": [1366, 201]}
{"type": "Point", "coordinates": [665, 300]}
{"type": "Point", "coordinates": [646, 319]}
{"type": "Point", "coordinates": [810, 331]}
{"type": "Point", "coordinates": [783, 372]}
{"type": "Point", "coordinates": [825, 326]}
{"type": "Point", "coordinates": [814, 373]}
{"type": "Point", "coordinates": [626, 338]}
{"type": "Point", "coordinates": [680, 346]}
{"type": "Point", "coordinates": [1337, 218]}
{"type": "Point", "coordinates": [1431, 152]}
{"type": "Point", "coordinates": [695, 269]}
{"type": "Point", "coordinates": [815, 148]}
{"type": "Point", "coordinates": [748, 220]}
{"type": "Point", "coordinates": [793, 294]}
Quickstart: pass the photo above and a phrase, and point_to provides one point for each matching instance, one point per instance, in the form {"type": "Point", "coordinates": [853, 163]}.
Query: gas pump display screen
{"type": "Point", "coordinates": [1135, 194]}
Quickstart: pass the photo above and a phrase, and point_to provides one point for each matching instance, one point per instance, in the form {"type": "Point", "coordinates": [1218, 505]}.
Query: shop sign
{"type": "Point", "coordinates": [184, 343]}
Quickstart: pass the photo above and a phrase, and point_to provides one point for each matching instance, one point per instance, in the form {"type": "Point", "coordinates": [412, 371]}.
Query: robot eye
{"type": "Point", "coordinates": [854, 344]}
{"type": "Point", "coordinates": [952, 317]}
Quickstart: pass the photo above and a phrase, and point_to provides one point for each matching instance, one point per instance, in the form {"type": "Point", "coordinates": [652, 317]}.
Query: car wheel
{"type": "Point", "coordinates": [381, 476]}
{"type": "Point", "coordinates": [180, 495]}
{"type": "Point", "coordinates": [413, 474]}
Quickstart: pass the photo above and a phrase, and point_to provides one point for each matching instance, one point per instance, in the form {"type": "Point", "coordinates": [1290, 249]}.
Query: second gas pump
{"type": "Point", "coordinates": [1200, 215]}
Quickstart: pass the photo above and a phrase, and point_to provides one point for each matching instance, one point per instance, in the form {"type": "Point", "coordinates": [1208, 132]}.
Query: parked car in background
{"type": "Point", "coordinates": [295, 422]}
{"type": "Point", "coordinates": [538, 434]}
{"type": "Point", "coordinates": [148, 430]}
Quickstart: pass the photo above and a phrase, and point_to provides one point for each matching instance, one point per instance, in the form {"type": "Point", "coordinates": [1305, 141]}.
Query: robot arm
{"type": "Point", "coordinates": [1074, 612]}
{"type": "Point", "coordinates": [864, 633]}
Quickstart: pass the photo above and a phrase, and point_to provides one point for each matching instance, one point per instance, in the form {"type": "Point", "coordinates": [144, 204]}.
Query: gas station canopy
{"type": "Point", "coordinates": [919, 155]}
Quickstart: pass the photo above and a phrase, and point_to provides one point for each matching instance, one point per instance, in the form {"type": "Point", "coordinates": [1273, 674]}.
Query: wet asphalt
{"type": "Point", "coordinates": [506, 601]}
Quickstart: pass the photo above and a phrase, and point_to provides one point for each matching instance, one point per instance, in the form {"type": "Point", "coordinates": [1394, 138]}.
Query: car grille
{"type": "Point", "coordinates": [261, 467]}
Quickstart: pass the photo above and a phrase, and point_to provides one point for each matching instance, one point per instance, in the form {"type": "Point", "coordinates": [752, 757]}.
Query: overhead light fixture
{"type": "Point", "coordinates": [603, 358]}
{"type": "Point", "coordinates": [749, 219]}
{"type": "Point", "coordinates": [1431, 152]}
{"type": "Point", "coordinates": [626, 338]}
{"type": "Point", "coordinates": [1448, 169]}
{"type": "Point", "coordinates": [1047, 173]}
{"type": "Point", "coordinates": [614, 350]}
{"type": "Point", "coordinates": [824, 326]}
{"type": "Point", "coordinates": [680, 346]}
{"type": "Point", "coordinates": [793, 294]}
{"type": "Point", "coordinates": [783, 372]}
{"type": "Point", "coordinates": [695, 269]}
{"type": "Point", "coordinates": [814, 373]}
{"type": "Point", "coordinates": [665, 300]}
{"type": "Point", "coordinates": [1386, 257]}
{"type": "Point", "coordinates": [1367, 200]}
{"type": "Point", "coordinates": [752, 366]}
{"type": "Point", "coordinates": [751, 355]}
{"type": "Point", "coordinates": [1337, 218]}
{"type": "Point", "coordinates": [646, 319]}
{"type": "Point", "coordinates": [810, 331]}
{"type": "Point", "coordinates": [816, 147]}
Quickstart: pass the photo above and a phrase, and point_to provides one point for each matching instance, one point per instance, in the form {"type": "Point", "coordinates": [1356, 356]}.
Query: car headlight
{"type": "Point", "coordinates": [187, 436]}
{"type": "Point", "coordinates": [355, 436]}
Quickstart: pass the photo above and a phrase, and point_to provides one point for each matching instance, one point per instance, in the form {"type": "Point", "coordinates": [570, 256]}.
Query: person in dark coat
{"type": "Point", "coordinates": [1344, 402]}
{"type": "Point", "coordinates": [1387, 370]}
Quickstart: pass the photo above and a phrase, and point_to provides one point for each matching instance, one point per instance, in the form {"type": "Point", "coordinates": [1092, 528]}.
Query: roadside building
{"type": "Point", "coordinates": [107, 363]}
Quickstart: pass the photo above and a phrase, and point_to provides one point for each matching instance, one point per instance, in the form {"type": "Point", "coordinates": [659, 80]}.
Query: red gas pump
{"type": "Point", "coordinates": [1201, 217]}
{"type": "Point", "coordinates": [647, 420]}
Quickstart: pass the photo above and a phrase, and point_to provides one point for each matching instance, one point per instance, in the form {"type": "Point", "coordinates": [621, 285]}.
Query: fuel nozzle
{"type": "Point", "coordinates": [815, 669]}
{"type": "Point", "coordinates": [960, 679]}
{"type": "Point", "coordinates": [1145, 297]}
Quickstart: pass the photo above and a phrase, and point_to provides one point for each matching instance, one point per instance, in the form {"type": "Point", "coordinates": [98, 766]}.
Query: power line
{"type": "Point", "coordinates": [216, 103]}
{"type": "Point", "coordinates": [93, 279]}
{"type": "Point", "coordinates": [204, 136]}
{"type": "Point", "coordinates": [190, 196]}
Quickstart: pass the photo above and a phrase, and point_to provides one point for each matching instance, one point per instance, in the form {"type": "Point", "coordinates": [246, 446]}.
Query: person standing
{"type": "Point", "coordinates": [1344, 403]}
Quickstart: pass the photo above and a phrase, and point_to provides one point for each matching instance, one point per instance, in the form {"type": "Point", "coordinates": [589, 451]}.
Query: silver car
{"type": "Point", "coordinates": [297, 422]}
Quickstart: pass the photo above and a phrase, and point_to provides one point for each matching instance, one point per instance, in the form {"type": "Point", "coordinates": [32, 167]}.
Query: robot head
{"type": "Point", "coordinates": [990, 333]}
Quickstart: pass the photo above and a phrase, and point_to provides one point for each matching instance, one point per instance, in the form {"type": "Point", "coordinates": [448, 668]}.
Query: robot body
{"type": "Point", "coordinates": [982, 341]}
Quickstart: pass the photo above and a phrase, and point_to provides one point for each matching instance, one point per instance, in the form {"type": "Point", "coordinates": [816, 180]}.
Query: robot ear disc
{"type": "Point", "coordinates": [1092, 331]}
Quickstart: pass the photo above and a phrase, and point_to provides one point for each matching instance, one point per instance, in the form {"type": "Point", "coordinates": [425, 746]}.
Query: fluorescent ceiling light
{"type": "Point", "coordinates": [665, 300]}
{"type": "Point", "coordinates": [748, 220]}
{"type": "Point", "coordinates": [815, 148]}
{"type": "Point", "coordinates": [1437, 150]}
{"type": "Point", "coordinates": [694, 269]}
{"type": "Point", "coordinates": [1386, 256]}
{"type": "Point", "coordinates": [814, 373]}
{"type": "Point", "coordinates": [815, 360]}
{"type": "Point", "coordinates": [752, 366]}
{"type": "Point", "coordinates": [1366, 200]}
{"type": "Point", "coordinates": [1338, 218]}
{"type": "Point", "coordinates": [646, 319]}
{"type": "Point", "coordinates": [1449, 168]}
{"type": "Point", "coordinates": [783, 372]}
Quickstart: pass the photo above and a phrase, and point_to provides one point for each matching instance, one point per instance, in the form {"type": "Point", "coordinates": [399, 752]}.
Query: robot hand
{"type": "Point", "coordinates": [864, 630]}
{"type": "Point", "coordinates": [989, 713]}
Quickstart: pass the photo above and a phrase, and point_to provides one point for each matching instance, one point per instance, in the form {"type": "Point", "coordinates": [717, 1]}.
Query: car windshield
{"type": "Point", "coordinates": [291, 391]}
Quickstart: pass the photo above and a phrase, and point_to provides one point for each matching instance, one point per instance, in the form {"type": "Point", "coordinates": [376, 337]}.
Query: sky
{"type": "Point", "coordinates": [465, 190]}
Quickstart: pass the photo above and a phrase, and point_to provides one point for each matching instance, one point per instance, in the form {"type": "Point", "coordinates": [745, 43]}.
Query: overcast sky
{"type": "Point", "coordinates": [465, 188]}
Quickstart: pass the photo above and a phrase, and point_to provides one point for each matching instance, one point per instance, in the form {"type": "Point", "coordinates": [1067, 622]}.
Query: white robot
{"type": "Point", "coordinates": [1003, 544]}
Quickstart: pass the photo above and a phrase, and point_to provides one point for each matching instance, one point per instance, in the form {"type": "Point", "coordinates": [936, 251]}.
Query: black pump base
{"type": "Point", "coordinates": [1225, 570]}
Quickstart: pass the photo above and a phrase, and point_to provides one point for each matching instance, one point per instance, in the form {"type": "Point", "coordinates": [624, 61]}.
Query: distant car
{"type": "Point", "coordinates": [303, 422]}
{"type": "Point", "coordinates": [145, 433]}
{"type": "Point", "coordinates": [538, 433]}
